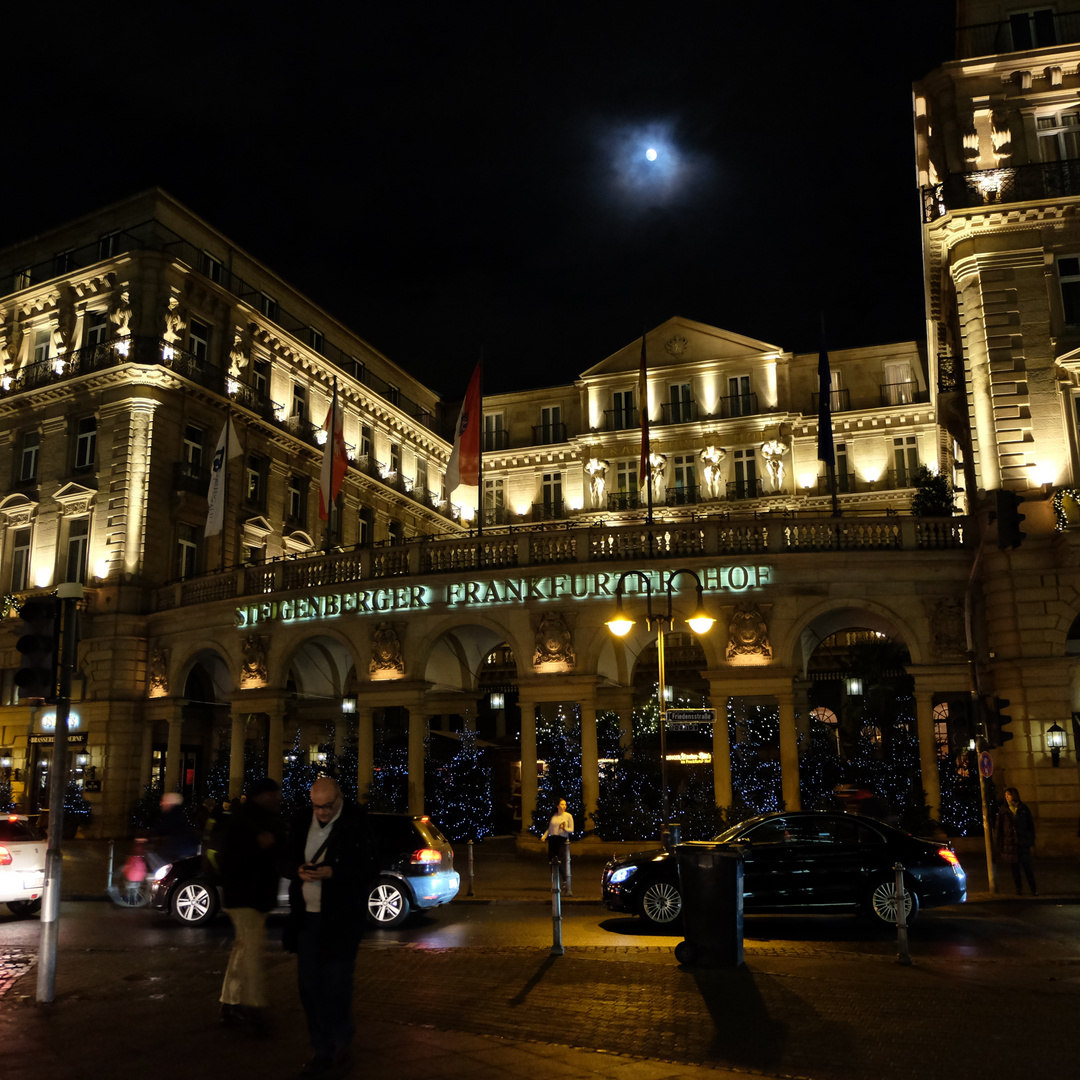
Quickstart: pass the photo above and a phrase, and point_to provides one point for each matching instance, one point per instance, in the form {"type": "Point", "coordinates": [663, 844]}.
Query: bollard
{"type": "Point", "coordinates": [902, 955]}
{"type": "Point", "coordinates": [556, 910]}
{"type": "Point", "coordinates": [470, 892]}
{"type": "Point", "coordinates": [108, 880]}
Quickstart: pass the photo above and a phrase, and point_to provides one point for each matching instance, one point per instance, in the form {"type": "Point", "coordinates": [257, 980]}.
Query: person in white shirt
{"type": "Point", "coordinates": [560, 829]}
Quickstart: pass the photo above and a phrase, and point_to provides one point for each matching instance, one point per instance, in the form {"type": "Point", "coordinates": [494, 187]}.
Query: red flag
{"type": "Point", "coordinates": [643, 394]}
{"type": "Point", "coordinates": [335, 458]}
{"type": "Point", "coordinates": [464, 464]}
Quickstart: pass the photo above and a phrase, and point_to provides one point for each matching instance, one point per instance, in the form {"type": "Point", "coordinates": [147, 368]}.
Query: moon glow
{"type": "Point", "coordinates": [650, 154]}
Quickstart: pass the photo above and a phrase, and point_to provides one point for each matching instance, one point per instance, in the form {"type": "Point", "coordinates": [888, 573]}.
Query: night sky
{"type": "Point", "coordinates": [446, 178]}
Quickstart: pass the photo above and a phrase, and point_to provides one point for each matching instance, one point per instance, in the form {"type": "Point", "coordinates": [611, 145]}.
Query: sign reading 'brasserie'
{"type": "Point", "coordinates": [737, 578]}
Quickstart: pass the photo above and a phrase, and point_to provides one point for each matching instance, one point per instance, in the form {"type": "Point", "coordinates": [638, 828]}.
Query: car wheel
{"type": "Point", "coordinates": [387, 904]}
{"type": "Point", "coordinates": [23, 908]}
{"type": "Point", "coordinates": [661, 903]}
{"type": "Point", "coordinates": [194, 903]}
{"type": "Point", "coordinates": [883, 903]}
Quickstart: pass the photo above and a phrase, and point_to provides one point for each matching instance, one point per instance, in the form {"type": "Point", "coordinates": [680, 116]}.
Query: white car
{"type": "Point", "coordinates": [22, 865]}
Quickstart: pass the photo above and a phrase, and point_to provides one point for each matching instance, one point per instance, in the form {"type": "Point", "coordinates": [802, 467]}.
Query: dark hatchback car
{"type": "Point", "coordinates": [416, 870]}
{"type": "Point", "coordinates": [808, 862]}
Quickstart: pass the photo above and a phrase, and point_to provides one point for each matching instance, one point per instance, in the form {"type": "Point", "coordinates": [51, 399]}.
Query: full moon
{"type": "Point", "coordinates": [650, 154]}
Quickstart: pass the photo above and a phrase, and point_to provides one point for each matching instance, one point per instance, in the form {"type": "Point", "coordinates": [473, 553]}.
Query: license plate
{"type": "Point", "coordinates": [34, 881]}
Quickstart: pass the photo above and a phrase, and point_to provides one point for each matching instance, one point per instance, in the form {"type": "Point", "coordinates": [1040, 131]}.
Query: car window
{"type": "Point", "coordinates": [17, 830]}
{"type": "Point", "coordinates": [773, 831]}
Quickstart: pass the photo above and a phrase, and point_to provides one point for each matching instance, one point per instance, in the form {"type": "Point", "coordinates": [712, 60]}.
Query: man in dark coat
{"type": "Point", "coordinates": [1014, 836]}
{"type": "Point", "coordinates": [330, 854]}
{"type": "Point", "coordinates": [248, 863]}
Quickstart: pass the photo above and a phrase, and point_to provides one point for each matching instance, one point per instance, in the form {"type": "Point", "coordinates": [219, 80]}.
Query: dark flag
{"type": "Point", "coordinates": [825, 450]}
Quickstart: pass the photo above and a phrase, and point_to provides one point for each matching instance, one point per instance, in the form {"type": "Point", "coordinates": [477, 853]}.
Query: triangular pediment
{"type": "Point", "coordinates": [258, 526]}
{"type": "Point", "coordinates": [75, 498]}
{"type": "Point", "coordinates": [679, 342]}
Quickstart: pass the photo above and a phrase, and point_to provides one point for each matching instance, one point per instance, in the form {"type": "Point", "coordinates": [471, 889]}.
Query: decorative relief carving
{"type": "Point", "coordinates": [174, 318]}
{"type": "Point", "coordinates": [10, 348]}
{"type": "Point", "coordinates": [159, 673]}
{"type": "Point", "coordinates": [748, 635]}
{"type": "Point", "coordinates": [240, 353]}
{"type": "Point", "coordinates": [253, 667]}
{"type": "Point", "coordinates": [677, 347]}
{"type": "Point", "coordinates": [554, 644]}
{"type": "Point", "coordinates": [712, 458]}
{"type": "Point", "coordinates": [947, 629]}
{"type": "Point", "coordinates": [122, 314]}
{"type": "Point", "coordinates": [386, 658]}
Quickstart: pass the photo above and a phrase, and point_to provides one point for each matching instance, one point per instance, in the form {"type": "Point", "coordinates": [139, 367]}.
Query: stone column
{"type": "Point", "coordinates": [928, 759]}
{"type": "Point", "coordinates": [418, 722]}
{"type": "Point", "coordinates": [528, 761]}
{"type": "Point", "coordinates": [789, 753]}
{"type": "Point", "coordinates": [590, 765]}
{"type": "Point", "coordinates": [236, 754]}
{"type": "Point", "coordinates": [275, 742]}
{"type": "Point", "coordinates": [172, 751]}
{"type": "Point", "coordinates": [365, 750]}
{"type": "Point", "coordinates": [721, 755]}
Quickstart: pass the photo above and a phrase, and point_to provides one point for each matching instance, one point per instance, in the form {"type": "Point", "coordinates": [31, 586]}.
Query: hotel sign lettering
{"type": "Point", "coordinates": [736, 578]}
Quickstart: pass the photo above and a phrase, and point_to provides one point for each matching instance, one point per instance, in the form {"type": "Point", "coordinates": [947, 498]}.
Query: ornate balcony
{"type": "Point", "coordinates": [994, 187]}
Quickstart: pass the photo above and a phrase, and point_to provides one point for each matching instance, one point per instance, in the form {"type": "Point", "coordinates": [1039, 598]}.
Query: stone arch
{"type": "Point", "coordinates": [805, 634]}
{"type": "Point", "coordinates": [453, 652]}
{"type": "Point", "coordinates": [208, 670]}
{"type": "Point", "coordinates": [318, 664]}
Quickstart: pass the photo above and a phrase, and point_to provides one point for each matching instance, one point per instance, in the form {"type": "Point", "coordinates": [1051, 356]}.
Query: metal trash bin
{"type": "Point", "coordinates": [711, 883]}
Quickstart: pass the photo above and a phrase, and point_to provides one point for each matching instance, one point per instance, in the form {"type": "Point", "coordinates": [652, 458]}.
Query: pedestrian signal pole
{"type": "Point", "coordinates": [69, 593]}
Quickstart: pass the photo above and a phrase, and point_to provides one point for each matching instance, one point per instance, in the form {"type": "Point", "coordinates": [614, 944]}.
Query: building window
{"type": "Point", "coordinates": [109, 245]}
{"type": "Point", "coordinates": [367, 440]}
{"type": "Point", "coordinates": [187, 553]}
{"type": "Point", "coordinates": [1033, 29]}
{"type": "Point", "coordinates": [85, 443]}
{"type": "Point", "coordinates": [551, 493]}
{"type": "Point", "coordinates": [97, 324]}
{"type": "Point", "coordinates": [843, 475]}
{"type": "Point", "coordinates": [899, 388]}
{"type": "Point", "coordinates": [22, 279]}
{"type": "Point", "coordinates": [41, 346]}
{"type": "Point", "coordinates": [268, 306]}
{"type": "Point", "coordinates": [684, 473]}
{"type": "Point", "coordinates": [77, 546]}
{"type": "Point", "coordinates": [679, 397]}
{"type": "Point", "coordinates": [28, 456]}
{"type": "Point", "coordinates": [495, 431]}
{"type": "Point", "coordinates": [255, 481]}
{"type": "Point", "coordinates": [260, 378]}
{"type": "Point", "coordinates": [199, 340]}
{"type": "Point", "coordinates": [623, 413]}
{"type": "Point", "coordinates": [395, 457]}
{"type": "Point", "coordinates": [193, 446]}
{"type": "Point", "coordinates": [551, 425]}
{"type": "Point", "coordinates": [396, 532]}
{"type": "Point", "coordinates": [1059, 136]}
{"type": "Point", "coordinates": [1069, 281]}
{"type": "Point", "coordinates": [297, 497]}
{"type": "Point", "coordinates": [366, 523]}
{"type": "Point", "coordinates": [626, 475]}
{"type": "Point", "coordinates": [745, 484]}
{"type": "Point", "coordinates": [740, 396]}
{"type": "Point", "coordinates": [494, 502]}
{"type": "Point", "coordinates": [420, 480]}
{"type": "Point", "coordinates": [905, 459]}
{"type": "Point", "coordinates": [20, 560]}
{"type": "Point", "coordinates": [64, 261]}
{"type": "Point", "coordinates": [210, 267]}
{"type": "Point", "coordinates": [299, 401]}
{"type": "Point", "coordinates": [316, 340]}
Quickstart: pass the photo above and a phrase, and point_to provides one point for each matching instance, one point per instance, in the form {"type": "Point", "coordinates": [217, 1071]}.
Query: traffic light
{"type": "Point", "coordinates": [39, 646]}
{"type": "Point", "coordinates": [1002, 720]}
{"type": "Point", "coordinates": [1008, 519]}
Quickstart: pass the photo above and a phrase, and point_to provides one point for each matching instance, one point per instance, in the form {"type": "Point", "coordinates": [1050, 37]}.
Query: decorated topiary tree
{"type": "Point", "coordinates": [460, 801]}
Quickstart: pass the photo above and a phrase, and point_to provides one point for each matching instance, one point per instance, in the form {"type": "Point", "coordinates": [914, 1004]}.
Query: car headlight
{"type": "Point", "coordinates": [622, 874]}
{"type": "Point", "coordinates": [161, 871]}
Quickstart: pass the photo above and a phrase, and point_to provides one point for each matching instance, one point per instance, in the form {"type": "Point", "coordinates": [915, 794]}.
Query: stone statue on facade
{"type": "Point", "coordinates": [658, 477]}
{"type": "Point", "coordinates": [386, 652]}
{"type": "Point", "coordinates": [773, 452]}
{"type": "Point", "coordinates": [748, 634]}
{"type": "Point", "coordinates": [597, 471]}
{"type": "Point", "coordinates": [240, 353]}
{"type": "Point", "coordinates": [712, 457]}
{"type": "Point", "coordinates": [253, 668]}
{"type": "Point", "coordinates": [10, 347]}
{"type": "Point", "coordinates": [174, 321]}
{"type": "Point", "coordinates": [554, 643]}
{"type": "Point", "coordinates": [159, 673]}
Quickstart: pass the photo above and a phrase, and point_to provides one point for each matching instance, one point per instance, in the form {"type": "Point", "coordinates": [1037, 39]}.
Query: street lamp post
{"type": "Point", "coordinates": [620, 624]}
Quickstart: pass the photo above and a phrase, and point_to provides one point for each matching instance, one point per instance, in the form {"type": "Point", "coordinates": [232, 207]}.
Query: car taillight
{"type": "Point", "coordinates": [5, 857]}
{"type": "Point", "coordinates": [426, 855]}
{"type": "Point", "coordinates": [949, 856]}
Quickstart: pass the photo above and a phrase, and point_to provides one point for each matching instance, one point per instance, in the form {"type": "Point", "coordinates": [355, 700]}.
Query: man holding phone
{"type": "Point", "coordinates": [331, 852]}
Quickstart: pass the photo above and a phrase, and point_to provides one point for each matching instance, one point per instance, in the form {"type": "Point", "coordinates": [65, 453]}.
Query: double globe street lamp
{"type": "Point", "coordinates": [620, 624]}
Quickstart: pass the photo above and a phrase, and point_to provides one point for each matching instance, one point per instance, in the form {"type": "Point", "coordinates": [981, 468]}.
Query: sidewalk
{"type": "Point", "coordinates": [614, 1013]}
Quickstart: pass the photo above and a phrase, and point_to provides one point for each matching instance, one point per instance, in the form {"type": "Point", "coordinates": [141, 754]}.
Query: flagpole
{"type": "Point", "coordinates": [331, 428]}
{"type": "Point", "coordinates": [826, 447]}
{"type": "Point", "coordinates": [646, 439]}
{"type": "Point", "coordinates": [480, 467]}
{"type": "Point", "coordinates": [225, 484]}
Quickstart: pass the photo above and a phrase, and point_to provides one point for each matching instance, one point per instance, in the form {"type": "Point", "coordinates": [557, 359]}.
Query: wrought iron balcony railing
{"type": "Point", "coordinates": [994, 187]}
{"type": "Point", "coordinates": [497, 440]}
{"type": "Point", "coordinates": [621, 419]}
{"type": "Point", "coordinates": [548, 434]}
{"type": "Point", "coordinates": [1024, 30]}
{"type": "Point", "coordinates": [683, 496]}
{"type": "Point", "coordinates": [737, 405]}
{"type": "Point", "coordinates": [903, 393]}
{"type": "Point", "coordinates": [625, 500]}
{"type": "Point", "coordinates": [678, 412]}
{"type": "Point", "coordinates": [839, 401]}
{"type": "Point", "coordinates": [189, 477]}
{"type": "Point", "coordinates": [745, 489]}
{"type": "Point", "coordinates": [548, 511]}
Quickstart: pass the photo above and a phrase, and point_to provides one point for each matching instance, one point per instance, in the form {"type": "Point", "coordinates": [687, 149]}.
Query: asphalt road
{"type": "Point", "coordinates": [996, 930]}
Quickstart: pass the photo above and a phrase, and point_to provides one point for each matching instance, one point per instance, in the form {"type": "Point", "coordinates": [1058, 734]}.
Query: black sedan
{"type": "Point", "coordinates": [416, 871]}
{"type": "Point", "coordinates": [807, 862]}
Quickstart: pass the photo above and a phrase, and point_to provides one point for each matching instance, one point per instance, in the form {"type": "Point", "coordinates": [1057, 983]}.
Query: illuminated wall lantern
{"type": "Point", "coordinates": [348, 706]}
{"type": "Point", "coordinates": [497, 700]}
{"type": "Point", "coordinates": [1055, 743]}
{"type": "Point", "coordinates": [82, 759]}
{"type": "Point", "coordinates": [853, 686]}
{"type": "Point", "coordinates": [6, 759]}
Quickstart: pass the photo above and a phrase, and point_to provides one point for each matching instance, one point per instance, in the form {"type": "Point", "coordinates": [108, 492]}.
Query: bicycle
{"type": "Point", "coordinates": [130, 885]}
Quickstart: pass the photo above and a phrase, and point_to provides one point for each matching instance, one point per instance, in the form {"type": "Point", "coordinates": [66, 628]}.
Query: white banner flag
{"type": "Point", "coordinates": [228, 446]}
